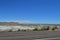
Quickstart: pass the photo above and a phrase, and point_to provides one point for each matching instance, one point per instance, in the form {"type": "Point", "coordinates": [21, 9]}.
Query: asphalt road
{"type": "Point", "coordinates": [53, 38]}
{"type": "Point", "coordinates": [29, 35]}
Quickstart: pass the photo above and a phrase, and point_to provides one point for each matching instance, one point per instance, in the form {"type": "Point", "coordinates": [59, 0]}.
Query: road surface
{"type": "Point", "coordinates": [55, 38]}
{"type": "Point", "coordinates": [30, 35]}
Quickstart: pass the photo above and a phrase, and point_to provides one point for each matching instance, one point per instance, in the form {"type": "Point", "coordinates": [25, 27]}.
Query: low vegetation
{"type": "Point", "coordinates": [19, 30]}
{"type": "Point", "coordinates": [36, 29]}
{"type": "Point", "coordinates": [41, 29]}
{"type": "Point", "coordinates": [54, 28]}
{"type": "Point", "coordinates": [10, 31]}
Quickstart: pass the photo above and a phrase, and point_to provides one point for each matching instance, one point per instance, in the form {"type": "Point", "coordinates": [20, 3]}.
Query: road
{"type": "Point", "coordinates": [54, 38]}
{"type": "Point", "coordinates": [30, 35]}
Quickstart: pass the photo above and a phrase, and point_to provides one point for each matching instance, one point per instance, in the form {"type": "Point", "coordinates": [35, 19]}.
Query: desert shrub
{"type": "Point", "coordinates": [48, 28]}
{"type": "Point", "coordinates": [40, 30]}
{"type": "Point", "coordinates": [18, 29]}
{"type": "Point", "coordinates": [53, 28]}
{"type": "Point", "coordinates": [23, 30]}
{"type": "Point", "coordinates": [36, 29]}
{"type": "Point", "coordinates": [44, 29]}
{"type": "Point", "coordinates": [10, 31]}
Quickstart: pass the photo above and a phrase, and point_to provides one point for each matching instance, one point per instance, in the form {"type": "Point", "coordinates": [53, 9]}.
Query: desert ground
{"type": "Point", "coordinates": [28, 35]}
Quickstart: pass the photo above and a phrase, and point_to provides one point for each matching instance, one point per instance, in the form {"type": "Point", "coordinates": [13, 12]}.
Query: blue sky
{"type": "Point", "coordinates": [34, 11]}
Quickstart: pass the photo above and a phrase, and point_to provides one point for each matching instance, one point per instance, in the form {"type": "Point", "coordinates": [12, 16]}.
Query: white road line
{"type": "Point", "coordinates": [48, 38]}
